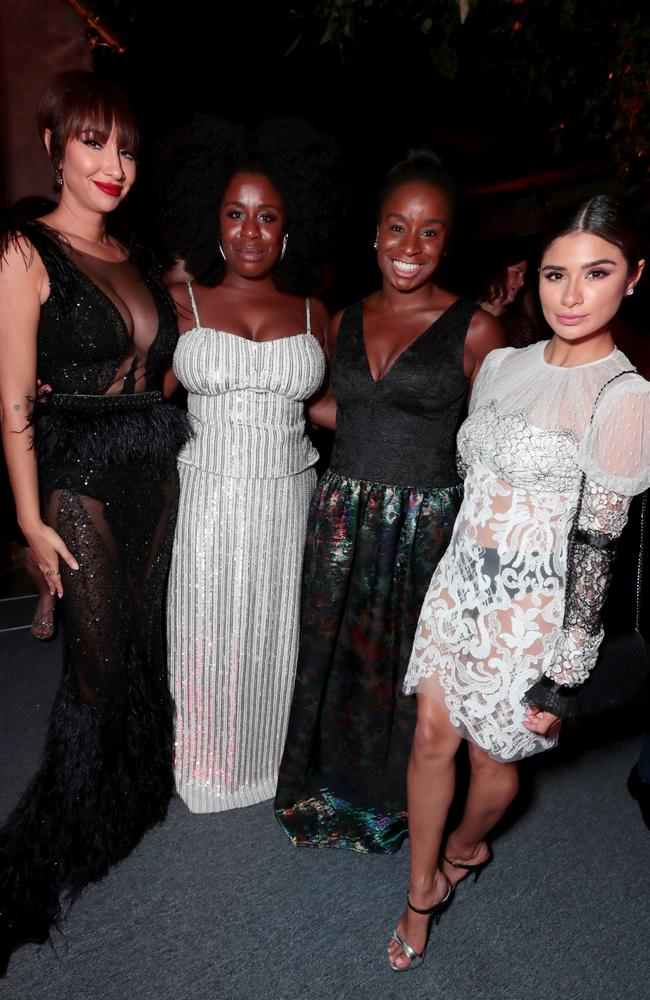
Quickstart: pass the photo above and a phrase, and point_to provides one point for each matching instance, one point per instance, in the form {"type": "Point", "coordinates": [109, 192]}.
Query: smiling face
{"type": "Point", "coordinates": [582, 281]}
{"type": "Point", "coordinates": [252, 224]}
{"type": "Point", "coordinates": [97, 172]}
{"type": "Point", "coordinates": [413, 228]}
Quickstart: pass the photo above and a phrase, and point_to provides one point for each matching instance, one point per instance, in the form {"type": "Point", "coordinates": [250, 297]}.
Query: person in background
{"type": "Point", "coordinates": [497, 280]}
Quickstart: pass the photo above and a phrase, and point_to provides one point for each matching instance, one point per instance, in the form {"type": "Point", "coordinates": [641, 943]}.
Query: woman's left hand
{"type": "Point", "coordinates": [543, 723]}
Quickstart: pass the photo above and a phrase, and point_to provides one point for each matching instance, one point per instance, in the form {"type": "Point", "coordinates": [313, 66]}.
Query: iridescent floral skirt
{"type": "Point", "coordinates": [371, 551]}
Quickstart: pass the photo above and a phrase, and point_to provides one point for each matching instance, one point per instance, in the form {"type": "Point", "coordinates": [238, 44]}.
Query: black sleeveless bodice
{"type": "Point", "coordinates": [402, 429]}
{"type": "Point", "coordinates": [106, 327]}
{"type": "Point", "coordinates": [106, 336]}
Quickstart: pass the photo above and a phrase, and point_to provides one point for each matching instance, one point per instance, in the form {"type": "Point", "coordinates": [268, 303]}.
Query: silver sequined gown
{"type": "Point", "coordinates": [245, 480]}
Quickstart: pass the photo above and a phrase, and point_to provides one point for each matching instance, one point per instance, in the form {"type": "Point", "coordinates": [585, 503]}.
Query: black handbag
{"type": "Point", "coordinates": [620, 675]}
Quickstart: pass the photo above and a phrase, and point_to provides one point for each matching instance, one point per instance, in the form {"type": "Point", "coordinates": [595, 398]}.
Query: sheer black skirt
{"type": "Point", "coordinates": [106, 774]}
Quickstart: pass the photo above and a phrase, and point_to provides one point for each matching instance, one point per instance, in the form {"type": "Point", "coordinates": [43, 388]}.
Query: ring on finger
{"type": "Point", "coordinates": [52, 572]}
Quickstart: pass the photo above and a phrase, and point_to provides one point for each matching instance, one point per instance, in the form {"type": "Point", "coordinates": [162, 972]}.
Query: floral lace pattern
{"type": "Point", "coordinates": [492, 621]}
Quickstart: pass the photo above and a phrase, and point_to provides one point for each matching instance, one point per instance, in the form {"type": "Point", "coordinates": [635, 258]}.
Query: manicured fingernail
{"type": "Point", "coordinates": [75, 565]}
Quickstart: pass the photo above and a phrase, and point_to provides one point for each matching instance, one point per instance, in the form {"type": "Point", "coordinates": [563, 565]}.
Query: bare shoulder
{"type": "Point", "coordinates": [180, 294]}
{"type": "Point", "coordinates": [18, 253]}
{"type": "Point", "coordinates": [22, 271]}
{"type": "Point", "coordinates": [319, 312]}
{"type": "Point", "coordinates": [320, 320]}
{"type": "Point", "coordinates": [484, 334]}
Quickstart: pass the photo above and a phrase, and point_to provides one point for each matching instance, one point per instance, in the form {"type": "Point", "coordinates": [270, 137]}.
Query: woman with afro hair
{"type": "Point", "coordinates": [249, 214]}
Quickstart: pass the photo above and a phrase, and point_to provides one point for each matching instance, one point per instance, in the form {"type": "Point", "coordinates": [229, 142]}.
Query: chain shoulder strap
{"type": "Point", "coordinates": [574, 527]}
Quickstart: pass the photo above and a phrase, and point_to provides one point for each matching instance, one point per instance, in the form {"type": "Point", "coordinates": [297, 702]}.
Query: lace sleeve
{"type": "Point", "coordinates": [602, 519]}
{"type": "Point", "coordinates": [615, 458]}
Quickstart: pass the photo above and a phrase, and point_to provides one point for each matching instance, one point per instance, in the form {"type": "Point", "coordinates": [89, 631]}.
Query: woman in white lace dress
{"type": "Point", "coordinates": [491, 626]}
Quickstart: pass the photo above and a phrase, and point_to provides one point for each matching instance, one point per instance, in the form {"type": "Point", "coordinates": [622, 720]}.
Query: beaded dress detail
{"type": "Point", "coordinates": [491, 623]}
{"type": "Point", "coordinates": [106, 444]}
{"type": "Point", "coordinates": [246, 480]}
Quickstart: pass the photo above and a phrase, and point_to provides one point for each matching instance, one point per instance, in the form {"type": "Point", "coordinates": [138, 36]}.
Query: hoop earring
{"type": "Point", "coordinates": [285, 240]}
{"type": "Point", "coordinates": [58, 178]}
{"type": "Point", "coordinates": [221, 251]}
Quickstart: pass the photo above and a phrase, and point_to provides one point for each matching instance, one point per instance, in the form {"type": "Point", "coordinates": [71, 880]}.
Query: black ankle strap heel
{"type": "Point", "coordinates": [475, 869]}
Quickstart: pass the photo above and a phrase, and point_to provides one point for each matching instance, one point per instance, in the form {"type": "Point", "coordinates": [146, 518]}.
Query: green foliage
{"type": "Point", "coordinates": [344, 23]}
{"type": "Point", "coordinates": [582, 66]}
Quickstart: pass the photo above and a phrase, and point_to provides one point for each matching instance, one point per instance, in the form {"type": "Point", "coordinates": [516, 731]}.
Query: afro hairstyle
{"type": "Point", "coordinates": [195, 166]}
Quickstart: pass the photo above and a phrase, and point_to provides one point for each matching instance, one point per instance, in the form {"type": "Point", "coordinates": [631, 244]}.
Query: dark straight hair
{"type": "Point", "coordinates": [604, 215]}
{"type": "Point", "coordinates": [76, 102]}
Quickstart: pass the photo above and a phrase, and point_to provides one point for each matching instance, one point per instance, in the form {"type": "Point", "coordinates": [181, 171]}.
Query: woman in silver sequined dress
{"type": "Point", "coordinates": [499, 631]}
{"type": "Point", "coordinates": [250, 357]}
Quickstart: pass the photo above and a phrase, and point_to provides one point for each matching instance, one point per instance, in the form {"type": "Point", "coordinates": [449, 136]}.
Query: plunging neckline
{"type": "Point", "coordinates": [416, 340]}
{"type": "Point", "coordinates": [54, 236]}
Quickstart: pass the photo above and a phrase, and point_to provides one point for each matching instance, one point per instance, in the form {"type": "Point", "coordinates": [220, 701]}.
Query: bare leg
{"type": "Point", "coordinates": [493, 786]}
{"type": "Point", "coordinates": [431, 780]}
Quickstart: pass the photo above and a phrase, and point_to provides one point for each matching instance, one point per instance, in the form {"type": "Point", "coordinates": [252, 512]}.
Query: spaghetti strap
{"type": "Point", "coordinates": [193, 301]}
{"type": "Point", "coordinates": [308, 314]}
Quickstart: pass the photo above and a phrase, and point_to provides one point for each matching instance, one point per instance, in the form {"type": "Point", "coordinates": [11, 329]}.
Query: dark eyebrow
{"type": "Point", "coordinates": [428, 222]}
{"type": "Point", "coordinates": [585, 267]}
{"type": "Point", "coordinates": [266, 204]}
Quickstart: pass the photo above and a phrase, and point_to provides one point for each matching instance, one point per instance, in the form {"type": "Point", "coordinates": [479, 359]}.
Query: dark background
{"type": "Point", "coordinates": [530, 103]}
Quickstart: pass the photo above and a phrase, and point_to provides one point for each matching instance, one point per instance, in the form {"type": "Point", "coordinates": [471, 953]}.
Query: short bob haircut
{"type": "Point", "coordinates": [603, 215]}
{"type": "Point", "coordinates": [78, 102]}
{"type": "Point", "coordinates": [195, 166]}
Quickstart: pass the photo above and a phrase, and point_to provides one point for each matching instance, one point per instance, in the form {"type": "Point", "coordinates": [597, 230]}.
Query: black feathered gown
{"type": "Point", "coordinates": [106, 445]}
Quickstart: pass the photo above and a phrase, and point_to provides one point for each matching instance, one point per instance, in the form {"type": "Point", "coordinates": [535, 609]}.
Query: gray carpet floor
{"type": "Point", "coordinates": [222, 907]}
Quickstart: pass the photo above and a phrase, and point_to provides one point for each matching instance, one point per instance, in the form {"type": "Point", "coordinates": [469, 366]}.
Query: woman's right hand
{"type": "Point", "coordinates": [49, 548]}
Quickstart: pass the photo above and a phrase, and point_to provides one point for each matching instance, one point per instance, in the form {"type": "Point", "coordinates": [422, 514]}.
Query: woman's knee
{"type": "Point", "coordinates": [434, 735]}
{"type": "Point", "coordinates": [482, 763]}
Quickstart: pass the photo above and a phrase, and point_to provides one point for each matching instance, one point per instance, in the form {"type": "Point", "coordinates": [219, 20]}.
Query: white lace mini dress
{"type": "Point", "coordinates": [491, 623]}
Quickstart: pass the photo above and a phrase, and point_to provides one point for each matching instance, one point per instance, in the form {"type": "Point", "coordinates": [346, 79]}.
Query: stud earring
{"type": "Point", "coordinates": [375, 244]}
{"type": "Point", "coordinates": [285, 240]}
{"type": "Point", "coordinates": [221, 251]}
{"type": "Point", "coordinates": [630, 290]}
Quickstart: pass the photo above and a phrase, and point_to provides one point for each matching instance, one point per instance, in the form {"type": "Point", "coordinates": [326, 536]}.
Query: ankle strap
{"type": "Point", "coordinates": [430, 909]}
{"type": "Point", "coordinates": [459, 864]}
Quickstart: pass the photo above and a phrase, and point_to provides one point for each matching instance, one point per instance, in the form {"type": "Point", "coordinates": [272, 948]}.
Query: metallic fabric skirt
{"type": "Point", "coordinates": [371, 551]}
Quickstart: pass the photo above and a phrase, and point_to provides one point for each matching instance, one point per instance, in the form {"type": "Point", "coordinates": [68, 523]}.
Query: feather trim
{"type": "Point", "coordinates": [109, 438]}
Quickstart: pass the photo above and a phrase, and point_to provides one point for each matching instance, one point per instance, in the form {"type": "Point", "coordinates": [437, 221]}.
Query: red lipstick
{"type": "Point", "coordinates": [114, 190]}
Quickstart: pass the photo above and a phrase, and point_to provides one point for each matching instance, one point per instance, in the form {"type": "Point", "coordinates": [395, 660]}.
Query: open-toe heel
{"type": "Point", "coordinates": [43, 624]}
{"type": "Point", "coordinates": [434, 913]}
